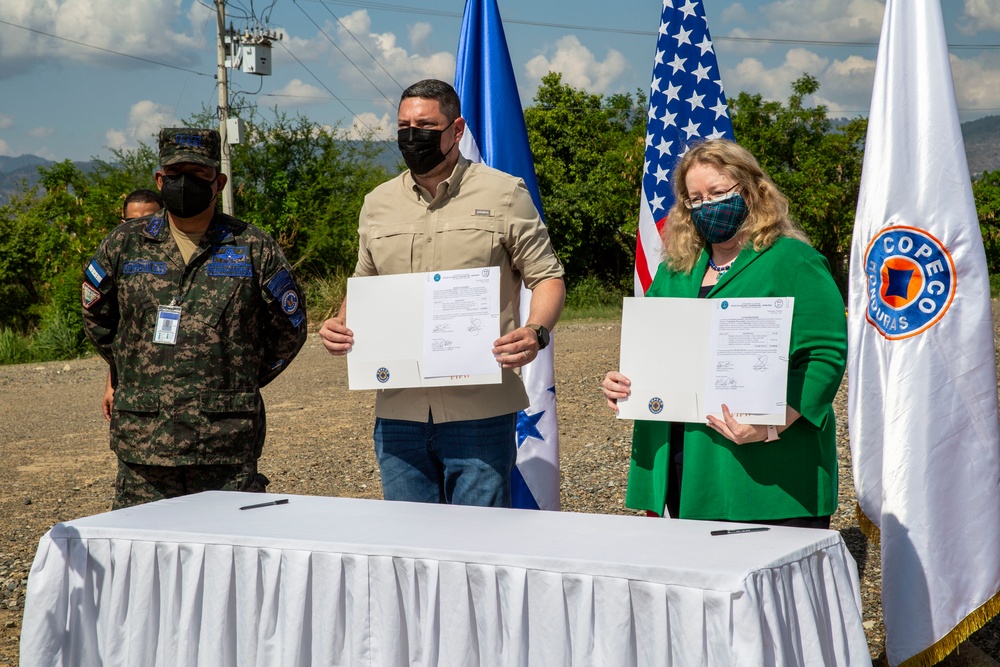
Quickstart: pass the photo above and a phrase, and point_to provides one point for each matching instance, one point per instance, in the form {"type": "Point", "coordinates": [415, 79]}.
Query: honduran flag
{"type": "Point", "coordinates": [496, 135]}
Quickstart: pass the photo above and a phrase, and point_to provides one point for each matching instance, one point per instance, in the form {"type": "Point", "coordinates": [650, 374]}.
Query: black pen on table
{"type": "Point", "coordinates": [283, 501]}
{"type": "Point", "coordinates": [734, 531]}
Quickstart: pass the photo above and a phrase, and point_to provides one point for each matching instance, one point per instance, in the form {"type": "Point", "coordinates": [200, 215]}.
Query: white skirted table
{"type": "Point", "coordinates": [337, 581]}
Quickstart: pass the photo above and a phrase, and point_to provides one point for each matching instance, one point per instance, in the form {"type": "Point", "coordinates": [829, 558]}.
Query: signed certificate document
{"type": "Point", "coordinates": [686, 357]}
{"type": "Point", "coordinates": [461, 321]}
{"type": "Point", "coordinates": [394, 319]}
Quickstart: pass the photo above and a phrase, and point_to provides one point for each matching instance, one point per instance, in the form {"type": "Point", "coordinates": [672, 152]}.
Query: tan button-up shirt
{"type": "Point", "coordinates": [478, 217]}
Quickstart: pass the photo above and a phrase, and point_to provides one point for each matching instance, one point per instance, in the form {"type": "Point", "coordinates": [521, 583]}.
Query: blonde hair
{"type": "Point", "coordinates": [766, 222]}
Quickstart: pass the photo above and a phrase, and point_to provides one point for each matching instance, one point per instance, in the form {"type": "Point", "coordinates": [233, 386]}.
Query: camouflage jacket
{"type": "Point", "coordinates": [242, 322]}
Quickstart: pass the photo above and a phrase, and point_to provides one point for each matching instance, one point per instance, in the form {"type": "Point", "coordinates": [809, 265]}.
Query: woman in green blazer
{"type": "Point", "coordinates": [729, 235]}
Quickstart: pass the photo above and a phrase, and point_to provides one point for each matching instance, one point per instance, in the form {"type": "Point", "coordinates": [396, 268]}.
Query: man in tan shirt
{"type": "Point", "coordinates": [454, 444]}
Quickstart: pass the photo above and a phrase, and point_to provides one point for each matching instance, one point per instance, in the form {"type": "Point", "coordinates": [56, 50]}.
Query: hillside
{"type": "Point", "coordinates": [982, 148]}
{"type": "Point", "coordinates": [982, 144]}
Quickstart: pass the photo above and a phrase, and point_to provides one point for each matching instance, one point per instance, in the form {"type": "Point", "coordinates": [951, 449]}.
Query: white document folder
{"type": "Point", "coordinates": [667, 354]}
{"type": "Point", "coordinates": [386, 314]}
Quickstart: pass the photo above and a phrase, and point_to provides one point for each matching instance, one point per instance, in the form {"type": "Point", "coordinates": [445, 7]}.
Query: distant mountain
{"type": "Point", "coordinates": [25, 167]}
{"type": "Point", "coordinates": [14, 170]}
{"type": "Point", "coordinates": [982, 144]}
{"type": "Point", "coordinates": [982, 149]}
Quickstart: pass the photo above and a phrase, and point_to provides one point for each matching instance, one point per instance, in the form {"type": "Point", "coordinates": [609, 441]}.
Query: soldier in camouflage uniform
{"type": "Point", "coordinates": [194, 311]}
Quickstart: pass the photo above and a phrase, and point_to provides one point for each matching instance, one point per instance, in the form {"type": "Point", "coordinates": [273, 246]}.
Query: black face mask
{"type": "Point", "coordinates": [421, 148]}
{"type": "Point", "coordinates": [186, 195]}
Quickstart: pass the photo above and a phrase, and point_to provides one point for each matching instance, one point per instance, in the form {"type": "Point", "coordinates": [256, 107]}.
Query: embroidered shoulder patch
{"type": "Point", "coordinates": [230, 261]}
{"type": "Point", "coordinates": [279, 283]}
{"type": "Point", "coordinates": [222, 232]}
{"type": "Point", "coordinates": [95, 274]}
{"type": "Point", "coordinates": [90, 295]}
{"type": "Point", "coordinates": [153, 226]}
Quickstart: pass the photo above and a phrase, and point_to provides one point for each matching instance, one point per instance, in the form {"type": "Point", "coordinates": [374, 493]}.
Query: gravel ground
{"type": "Point", "coordinates": [57, 466]}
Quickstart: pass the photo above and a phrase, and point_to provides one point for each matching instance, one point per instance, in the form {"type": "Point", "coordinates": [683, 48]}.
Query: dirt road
{"type": "Point", "coordinates": [56, 465]}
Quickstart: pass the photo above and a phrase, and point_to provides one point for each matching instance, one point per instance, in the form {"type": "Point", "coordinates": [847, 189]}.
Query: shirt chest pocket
{"type": "Point", "coordinates": [469, 242]}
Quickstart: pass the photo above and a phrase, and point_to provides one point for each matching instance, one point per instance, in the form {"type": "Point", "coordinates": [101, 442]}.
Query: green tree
{"type": "Point", "coordinates": [48, 232]}
{"type": "Point", "coordinates": [986, 192]}
{"type": "Point", "coordinates": [304, 184]}
{"type": "Point", "coordinates": [816, 165]}
{"type": "Point", "coordinates": [588, 152]}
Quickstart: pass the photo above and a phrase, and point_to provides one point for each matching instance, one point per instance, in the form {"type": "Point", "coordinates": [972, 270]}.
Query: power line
{"type": "Point", "coordinates": [401, 87]}
{"type": "Point", "coordinates": [405, 9]}
{"type": "Point", "coordinates": [355, 116]}
{"type": "Point", "coordinates": [329, 39]}
{"type": "Point", "coordinates": [98, 48]}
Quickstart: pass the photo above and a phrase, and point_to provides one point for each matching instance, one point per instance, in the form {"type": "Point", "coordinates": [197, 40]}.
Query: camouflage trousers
{"type": "Point", "coordinates": [137, 484]}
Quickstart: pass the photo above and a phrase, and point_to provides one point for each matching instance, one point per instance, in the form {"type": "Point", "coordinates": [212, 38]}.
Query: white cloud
{"type": "Point", "coordinates": [979, 16]}
{"type": "Point", "coordinates": [405, 67]}
{"type": "Point", "coordinates": [6, 121]}
{"type": "Point", "coordinates": [752, 76]}
{"type": "Point", "coordinates": [367, 123]}
{"type": "Point", "coordinates": [41, 132]}
{"type": "Point", "coordinates": [812, 20]}
{"type": "Point", "coordinates": [297, 93]}
{"type": "Point", "coordinates": [419, 32]}
{"type": "Point", "coordinates": [836, 20]}
{"type": "Point", "coordinates": [152, 29]}
{"type": "Point", "coordinates": [354, 35]}
{"type": "Point", "coordinates": [116, 139]}
{"type": "Point", "coordinates": [578, 66]}
{"type": "Point", "coordinates": [145, 119]}
{"type": "Point", "coordinates": [5, 148]}
{"type": "Point", "coordinates": [977, 84]}
{"type": "Point", "coordinates": [846, 87]}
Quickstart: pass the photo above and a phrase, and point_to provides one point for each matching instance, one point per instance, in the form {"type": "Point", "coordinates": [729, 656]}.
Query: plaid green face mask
{"type": "Point", "coordinates": [719, 220]}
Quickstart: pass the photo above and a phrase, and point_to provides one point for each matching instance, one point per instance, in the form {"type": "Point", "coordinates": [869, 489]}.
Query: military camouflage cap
{"type": "Point", "coordinates": [186, 144]}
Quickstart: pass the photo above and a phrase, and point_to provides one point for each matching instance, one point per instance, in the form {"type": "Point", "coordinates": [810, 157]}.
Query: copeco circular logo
{"type": "Point", "coordinates": [382, 375]}
{"type": "Point", "coordinates": [910, 281]}
{"type": "Point", "coordinates": [437, 277]}
{"type": "Point", "coordinates": [725, 304]}
{"type": "Point", "coordinates": [290, 302]}
{"type": "Point", "coordinates": [656, 405]}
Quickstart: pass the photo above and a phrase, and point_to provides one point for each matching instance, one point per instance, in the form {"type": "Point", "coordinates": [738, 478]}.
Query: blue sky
{"type": "Point", "coordinates": [64, 94]}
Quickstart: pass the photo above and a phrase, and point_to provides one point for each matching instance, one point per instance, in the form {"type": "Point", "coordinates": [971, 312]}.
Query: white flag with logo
{"type": "Point", "coordinates": [922, 377]}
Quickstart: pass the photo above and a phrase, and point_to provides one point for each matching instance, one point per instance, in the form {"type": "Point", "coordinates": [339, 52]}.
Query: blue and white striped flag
{"type": "Point", "coordinates": [496, 135]}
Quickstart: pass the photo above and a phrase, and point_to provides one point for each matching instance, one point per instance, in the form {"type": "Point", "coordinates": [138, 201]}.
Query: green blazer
{"type": "Point", "coordinates": [795, 476]}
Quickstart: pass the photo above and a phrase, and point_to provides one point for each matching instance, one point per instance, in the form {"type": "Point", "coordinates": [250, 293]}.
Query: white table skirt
{"type": "Point", "coordinates": [335, 581]}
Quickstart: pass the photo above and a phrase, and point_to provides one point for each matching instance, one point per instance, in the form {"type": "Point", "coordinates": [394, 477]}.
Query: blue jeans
{"type": "Point", "coordinates": [460, 463]}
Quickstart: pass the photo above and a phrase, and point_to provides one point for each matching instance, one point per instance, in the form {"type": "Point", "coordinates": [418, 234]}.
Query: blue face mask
{"type": "Point", "coordinates": [719, 220]}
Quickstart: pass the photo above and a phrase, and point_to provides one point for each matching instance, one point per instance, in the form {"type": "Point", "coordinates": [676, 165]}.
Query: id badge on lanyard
{"type": "Point", "coordinates": [168, 319]}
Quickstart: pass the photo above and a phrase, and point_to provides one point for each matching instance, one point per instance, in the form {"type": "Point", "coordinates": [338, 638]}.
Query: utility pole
{"type": "Point", "coordinates": [227, 167]}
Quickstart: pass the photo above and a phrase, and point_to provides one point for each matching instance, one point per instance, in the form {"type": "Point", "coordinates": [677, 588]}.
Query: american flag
{"type": "Point", "coordinates": [686, 105]}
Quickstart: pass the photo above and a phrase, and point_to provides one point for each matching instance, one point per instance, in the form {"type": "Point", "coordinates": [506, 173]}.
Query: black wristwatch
{"type": "Point", "coordinates": [541, 332]}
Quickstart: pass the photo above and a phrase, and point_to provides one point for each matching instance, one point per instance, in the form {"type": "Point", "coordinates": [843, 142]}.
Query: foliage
{"type": "Point", "coordinates": [304, 185]}
{"type": "Point", "coordinates": [48, 232]}
{"type": "Point", "coordinates": [816, 166]}
{"type": "Point", "coordinates": [986, 193]}
{"type": "Point", "coordinates": [60, 337]}
{"type": "Point", "coordinates": [588, 152]}
{"type": "Point", "coordinates": [14, 348]}
{"type": "Point", "coordinates": [590, 298]}
{"type": "Point", "coordinates": [324, 295]}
